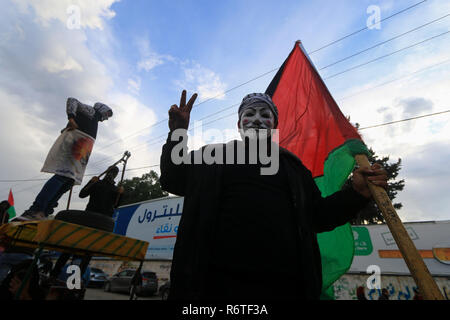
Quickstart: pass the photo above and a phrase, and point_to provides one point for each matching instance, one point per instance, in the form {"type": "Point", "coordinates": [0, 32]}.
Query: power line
{"type": "Point", "coordinates": [404, 120]}
{"type": "Point", "coordinates": [203, 102]}
{"type": "Point", "coordinates": [384, 42]}
{"type": "Point", "coordinates": [153, 141]}
{"type": "Point", "coordinates": [355, 67]}
{"type": "Point", "coordinates": [386, 55]}
{"type": "Point", "coordinates": [383, 124]}
{"type": "Point", "coordinates": [268, 72]}
{"type": "Point", "coordinates": [164, 135]}
{"type": "Point", "coordinates": [157, 165]}
{"type": "Point", "coordinates": [156, 141]}
{"type": "Point", "coordinates": [393, 80]}
{"type": "Point", "coordinates": [262, 75]}
{"type": "Point", "coordinates": [86, 175]}
{"type": "Point", "coordinates": [365, 28]}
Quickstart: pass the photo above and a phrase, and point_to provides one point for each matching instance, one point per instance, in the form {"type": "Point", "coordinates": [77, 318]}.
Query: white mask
{"type": "Point", "coordinates": [258, 117]}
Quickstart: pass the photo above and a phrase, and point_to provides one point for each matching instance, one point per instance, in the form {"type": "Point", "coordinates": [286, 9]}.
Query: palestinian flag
{"type": "Point", "coordinates": [312, 127]}
{"type": "Point", "coordinates": [11, 211]}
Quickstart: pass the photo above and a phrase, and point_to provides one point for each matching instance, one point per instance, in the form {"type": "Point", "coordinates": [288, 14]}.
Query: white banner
{"type": "Point", "coordinates": [155, 221]}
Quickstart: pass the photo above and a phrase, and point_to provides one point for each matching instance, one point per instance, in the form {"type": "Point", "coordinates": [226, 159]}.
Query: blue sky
{"type": "Point", "coordinates": [138, 55]}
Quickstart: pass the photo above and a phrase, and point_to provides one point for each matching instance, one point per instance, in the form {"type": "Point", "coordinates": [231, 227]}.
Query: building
{"type": "Point", "coordinates": [376, 251]}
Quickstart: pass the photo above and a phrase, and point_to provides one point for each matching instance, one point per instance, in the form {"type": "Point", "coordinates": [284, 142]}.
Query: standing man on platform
{"type": "Point", "coordinates": [68, 157]}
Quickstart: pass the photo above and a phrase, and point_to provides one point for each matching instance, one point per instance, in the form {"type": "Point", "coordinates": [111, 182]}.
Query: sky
{"type": "Point", "coordinates": [137, 56]}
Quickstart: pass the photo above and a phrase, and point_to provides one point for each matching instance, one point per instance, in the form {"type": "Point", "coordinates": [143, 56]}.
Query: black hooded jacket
{"type": "Point", "coordinates": [200, 184]}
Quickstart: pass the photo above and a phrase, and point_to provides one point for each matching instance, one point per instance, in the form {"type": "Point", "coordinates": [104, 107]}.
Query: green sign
{"type": "Point", "coordinates": [363, 244]}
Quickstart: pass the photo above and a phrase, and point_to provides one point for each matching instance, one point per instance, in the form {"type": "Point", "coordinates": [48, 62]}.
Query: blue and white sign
{"type": "Point", "coordinates": [155, 221]}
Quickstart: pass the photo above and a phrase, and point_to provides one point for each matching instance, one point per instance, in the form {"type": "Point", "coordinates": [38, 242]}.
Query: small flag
{"type": "Point", "coordinates": [11, 211]}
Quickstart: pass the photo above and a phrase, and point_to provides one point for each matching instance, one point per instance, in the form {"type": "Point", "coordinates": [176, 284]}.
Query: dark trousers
{"type": "Point", "coordinates": [223, 286]}
{"type": "Point", "coordinates": [51, 192]}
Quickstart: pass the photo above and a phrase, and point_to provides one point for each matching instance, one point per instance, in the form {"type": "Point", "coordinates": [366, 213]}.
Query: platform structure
{"type": "Point", "coordinates": [65, 237]}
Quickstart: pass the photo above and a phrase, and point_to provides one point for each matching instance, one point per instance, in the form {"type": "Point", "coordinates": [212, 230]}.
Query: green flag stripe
{"type": "Point", "coordinates": [337, 246]}
{"type": "Point", "coordinates": [131, 249]}
{"type": "Point", "coordinates": [62, 224]}
{"type": "Point", "coordinates": [139, 249]}
{"type": "Point", "coordinates": [11, 212]}
{"type": "Point", "coordinates": [68, 235]}
{"type": "Point", "coordinates": [96, 240]}
{"type": "Point", "coordinates": [120, 247]}
{"type": "Point", "coordinates": [82, 238]}
{"type": "Point", "coordinates": [109, 242]}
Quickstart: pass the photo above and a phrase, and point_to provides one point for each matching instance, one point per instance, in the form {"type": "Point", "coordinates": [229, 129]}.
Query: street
{"type": "Point", "coordinates": [99, 294]}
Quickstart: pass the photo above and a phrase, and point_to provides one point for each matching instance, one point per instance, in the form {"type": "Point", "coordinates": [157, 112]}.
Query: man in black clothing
{"type": "Point", "coordinates": [103, 198]}
{"type": "Point", "coordinates": [241, 231]}
{"type": "Point", "coordinates": [104, 194]}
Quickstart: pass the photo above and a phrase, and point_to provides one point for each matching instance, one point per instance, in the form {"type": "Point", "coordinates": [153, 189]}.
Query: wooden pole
{"type": "Point", "coordinates": [414, 261]}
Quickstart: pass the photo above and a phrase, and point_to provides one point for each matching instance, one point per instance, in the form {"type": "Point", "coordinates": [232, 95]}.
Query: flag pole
{"type": "Point", "coordinates": [68, 200]}
{"type": "Point", "coordinates": [414, 261]}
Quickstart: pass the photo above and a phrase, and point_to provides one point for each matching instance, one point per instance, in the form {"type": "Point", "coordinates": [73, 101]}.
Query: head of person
{"type": "Point", "coordinates": [102, 111]}
{"type": "Point", "coordinates": [257, 114]}
{"type": "Point", "coordinates": [4, 205]}
{"type": "Point", "coordinates": [384, 292]}
{"type": "Point", "coordinates": [112, 173]}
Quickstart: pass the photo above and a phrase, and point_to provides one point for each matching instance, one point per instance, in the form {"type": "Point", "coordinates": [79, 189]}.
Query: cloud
{"type": "Point", "coordinates": [134, 85]}
{"type": "Point", "coordinates": [150, 62]}
{"type": "Point", "coordinates": [202, 80]}
{"type": "Point", "coordinates": [91, 14]}
{"type": "Point", "coordinates": [43, 62]}
{"type": "Point", "coordinates": [426, 176]}
{"type": "Point", "coordinates": [149, 59]}
{"type": "Point", "coordinates": [415, 106]}
{"type": "Point", "coordinates": [59, 62]}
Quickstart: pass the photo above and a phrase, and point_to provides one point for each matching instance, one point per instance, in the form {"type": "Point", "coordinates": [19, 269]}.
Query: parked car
{"type": "Point", "coordinates": [98, 278]}
{"type": "Point", "coordinates": [164, 290]}
{"type": "Point", "coordinates": [121, 282]}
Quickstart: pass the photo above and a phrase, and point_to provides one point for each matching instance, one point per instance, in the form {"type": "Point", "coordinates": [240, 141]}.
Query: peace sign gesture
{"type": "Point", "coordinates": [179, 116]}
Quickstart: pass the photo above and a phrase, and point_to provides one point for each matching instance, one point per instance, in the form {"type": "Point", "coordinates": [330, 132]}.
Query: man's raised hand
{"type": "Point", "coordinates": [179, 115]}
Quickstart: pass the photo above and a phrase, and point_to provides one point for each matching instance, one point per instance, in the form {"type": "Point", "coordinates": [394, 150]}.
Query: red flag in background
{"type": "Point", "coordinates": [11, 198]}
{"type": "Point", "coordinates": [312, 124]}
{"type": "Point", "coordinates": [11, 211]}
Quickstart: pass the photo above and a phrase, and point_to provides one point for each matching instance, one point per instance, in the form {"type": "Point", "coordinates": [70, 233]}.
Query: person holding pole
{"type": "Point", "coordinates": [239, 224]}
{"type": "Point", "coordinates": [103, 198]}
{"type": "Point", "coordinates": [103, 194]}
{"type": "Point", "coordinates": [68, 157]}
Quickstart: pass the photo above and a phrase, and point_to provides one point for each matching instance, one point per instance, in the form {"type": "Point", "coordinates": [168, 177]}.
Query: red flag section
{"type": "Point", "coordinates": [11, 198]}
{"type": "Point", "coordinates": [311, 124]}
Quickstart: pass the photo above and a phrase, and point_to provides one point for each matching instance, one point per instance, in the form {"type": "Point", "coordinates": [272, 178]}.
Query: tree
{"type": "Point", "coordinates": [371, 214]}
{"type": "Point", "coordinates": [141, 189]}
